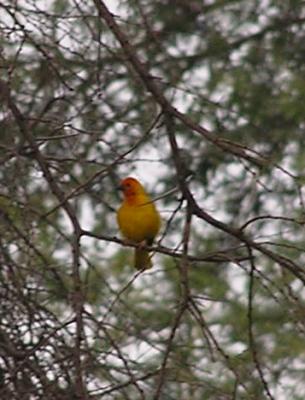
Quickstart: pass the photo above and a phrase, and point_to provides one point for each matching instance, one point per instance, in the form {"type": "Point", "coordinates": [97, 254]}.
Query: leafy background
{"type": "Point", "coordinates": [204, 102]}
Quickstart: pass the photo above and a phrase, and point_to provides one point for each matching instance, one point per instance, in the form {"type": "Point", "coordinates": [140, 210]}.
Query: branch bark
{"type": "Point", "coordinates": [77, 296]}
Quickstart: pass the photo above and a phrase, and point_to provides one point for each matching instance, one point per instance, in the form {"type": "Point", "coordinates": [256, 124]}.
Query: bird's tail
{"type": "Point", "coordinates": [142, 259]}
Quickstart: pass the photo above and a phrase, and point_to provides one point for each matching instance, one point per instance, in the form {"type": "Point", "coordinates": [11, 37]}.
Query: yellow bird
{"type": "Point", "coordinates": [138, 219]}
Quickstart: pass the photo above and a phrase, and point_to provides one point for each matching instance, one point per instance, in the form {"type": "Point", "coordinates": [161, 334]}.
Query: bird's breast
{"type": "Point", "coordinates": [138, 222]}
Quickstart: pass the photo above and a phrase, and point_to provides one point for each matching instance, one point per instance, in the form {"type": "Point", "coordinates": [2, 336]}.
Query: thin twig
{"type": "Point", "coordinates": [250, 328]}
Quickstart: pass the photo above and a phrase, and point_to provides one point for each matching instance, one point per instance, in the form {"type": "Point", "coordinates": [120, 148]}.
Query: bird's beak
{"type": "Point", "coordinates": [120, 188]}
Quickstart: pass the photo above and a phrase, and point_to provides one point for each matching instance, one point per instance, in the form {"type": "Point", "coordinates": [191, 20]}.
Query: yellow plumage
{"type": "Point", "coordinates": [138, 219]}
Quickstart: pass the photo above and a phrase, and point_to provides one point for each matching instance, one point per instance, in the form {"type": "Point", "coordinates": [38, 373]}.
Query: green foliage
{"type": "Point", "coordinates": [72, 307]}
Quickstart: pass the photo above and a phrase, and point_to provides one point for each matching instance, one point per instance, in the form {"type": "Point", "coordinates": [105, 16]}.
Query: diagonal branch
{"type": "Point", "coordinates": [151, 84]}
{"type": "Point", "coordinates": [185, 295]}
{"type": "Point", "coordinates": [77, 297]}
{"type": "Point", "coordinates": [234, 148]}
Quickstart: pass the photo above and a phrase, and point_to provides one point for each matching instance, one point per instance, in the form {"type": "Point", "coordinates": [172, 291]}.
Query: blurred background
{"type": "Point", "coordinates": [221, 314]}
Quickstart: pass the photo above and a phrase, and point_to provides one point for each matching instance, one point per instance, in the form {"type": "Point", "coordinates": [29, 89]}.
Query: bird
{"type": "Point", "coordinates": [138, 219]}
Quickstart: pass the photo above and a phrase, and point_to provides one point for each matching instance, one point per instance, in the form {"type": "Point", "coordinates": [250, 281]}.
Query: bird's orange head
{"type": "Point", "coordinates": [131, 188]}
